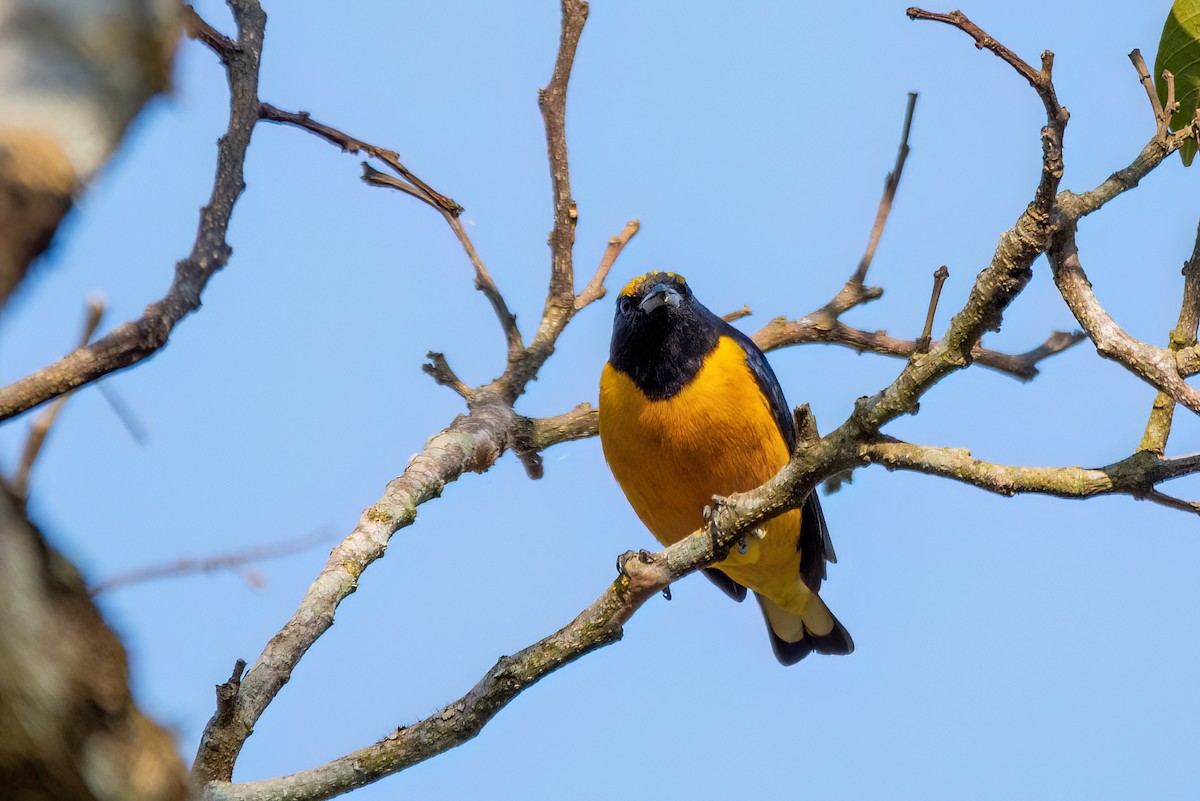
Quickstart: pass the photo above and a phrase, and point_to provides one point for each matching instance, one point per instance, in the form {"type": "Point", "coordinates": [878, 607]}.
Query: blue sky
{"type": "Point", "coordinates": [1026, 647]}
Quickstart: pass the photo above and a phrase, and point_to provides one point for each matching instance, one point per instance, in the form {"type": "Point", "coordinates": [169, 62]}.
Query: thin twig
{"type": "Point", "coordinates": [485, 284]}
{"type": "Point", "coordinates": [1040, 80]}
{"type": "Point", "coordinates": [1162, 121]}
{"type": "Point", "coordinates": [192, 565]}
{"type": "Point", "coordinates": [939, 278]}
{"type": "Point", "coordinates": [129, 421]}
{"type": "Point", "coordinates": [1171, 502]}
{"type": "Point", "coordinates": [1172, 105]}
{"type": "Point", "coordinates": [483, 279]}
{"type": "Point", "coordinates": [737, 315]}
{"type": "Point", "coordinates": [350, 144]}
{"type": "Point", "coordinates": [781, 333]}
{"type": "Point", "coordinates": [440, 369]}
{"type": "Point", "coordinates": [374, 177]}
{"type": "Point", "coordinates": [854, 293]}
{"type": "Point", "coordinates": [890, 184]}
{"type": "Point", "coordinates": [41, 426]}
{"type": "Point", "coordinates": [595, 290]}
{"type": "Point", "coordinates": [197, 28]}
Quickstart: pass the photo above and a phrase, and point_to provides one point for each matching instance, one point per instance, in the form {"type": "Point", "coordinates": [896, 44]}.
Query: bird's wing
{"type": "Point", "coordinates": [816, 548]}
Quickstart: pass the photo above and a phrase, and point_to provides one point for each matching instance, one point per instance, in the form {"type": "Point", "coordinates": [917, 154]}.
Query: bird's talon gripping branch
{"type": "Point", "coordinates": [742, 546]}
{"type": "Point", "coordinates": [666, 592]}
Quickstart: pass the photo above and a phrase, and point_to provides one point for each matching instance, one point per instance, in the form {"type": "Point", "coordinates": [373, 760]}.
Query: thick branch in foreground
{"type": "Point", "coordinates": [136, 340]}
{"type": "Point", "coordinates": [69, 729]}
{"type": "Point", "coordinates": [64, 105]}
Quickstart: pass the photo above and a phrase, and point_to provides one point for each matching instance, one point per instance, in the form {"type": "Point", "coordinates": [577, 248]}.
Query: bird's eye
{"type": "Point", "coordinates": [624, 305]}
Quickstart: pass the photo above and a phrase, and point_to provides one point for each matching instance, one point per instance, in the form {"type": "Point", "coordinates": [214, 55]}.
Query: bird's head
{"type": "Point", "coordinates": [661, 332]}
{"type": "Point", "coordinates": [654, 298]}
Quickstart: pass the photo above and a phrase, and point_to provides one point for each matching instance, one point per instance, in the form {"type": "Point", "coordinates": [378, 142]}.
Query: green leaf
{"type": "Point", "coordinates": [1179, 52]}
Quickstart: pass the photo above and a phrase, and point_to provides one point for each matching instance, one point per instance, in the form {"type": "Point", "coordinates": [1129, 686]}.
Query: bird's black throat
{"type": "Point", "coordinates": [662, 351]}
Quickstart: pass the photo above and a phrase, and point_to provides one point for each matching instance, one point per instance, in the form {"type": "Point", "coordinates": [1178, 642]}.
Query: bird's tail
{"type": "Point", "coordinates": [805, 626]}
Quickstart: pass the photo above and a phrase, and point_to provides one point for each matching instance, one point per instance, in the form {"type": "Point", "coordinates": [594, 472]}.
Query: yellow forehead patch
{"type": "Point", "coordinates": [633, 286]}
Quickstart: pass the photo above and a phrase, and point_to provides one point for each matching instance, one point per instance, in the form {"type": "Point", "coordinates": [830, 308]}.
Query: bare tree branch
{"type": "Point", "coordinates": [476, 440]}
{"type": "Point", "coordinates": [136, 340]}
{"type": "Point", "coordinates": [560, 301]}
{"type": "Point", "coordinates": [439, 369]}
{"type": "Point", "coordinates": [890, 184]}
{"type": "Point", "coordinates": [349, 144]}
{"type": "Point", "coordinates": [734, 316]}
{"type": "Point", "coordinates": [643, 575]}
{"type": "Point", "coordinates": [471, 443]}
{"type": "Point", "coordinates": [939, 277]}
{"type": "Point", "coordinates": [1162, 120]}
{"type": "Point", "coordinates": [229, 561]}
{"type": "Point", "coordinates": [1158, 427]}
{"type": "Point", "coordinates": [782, 333]}
{"type": "Point", "coordinates": [552, 100]}
{"type": "Point", "coordinates": [1136, 476]}
{"type": "Point", "coordinates": [198, 28]}
{"type": "Point", "coordinates": [410, 184]}
{"type": "Point", "coordinates": [41, 426]}
{"type": "Point", "coordinates": [595, 290]}
{"type": "Point", "coordinates": [1157, 366]}
{"type": "Point", "coordinates": [1073, 207]}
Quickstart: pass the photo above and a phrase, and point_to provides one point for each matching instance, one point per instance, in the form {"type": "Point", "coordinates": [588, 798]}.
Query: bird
{"type": "Point", "coordinates": [689, 409]}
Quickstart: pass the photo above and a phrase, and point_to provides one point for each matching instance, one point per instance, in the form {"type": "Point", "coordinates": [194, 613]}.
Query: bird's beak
{"type": "Point", "coordinates": [660, 295]}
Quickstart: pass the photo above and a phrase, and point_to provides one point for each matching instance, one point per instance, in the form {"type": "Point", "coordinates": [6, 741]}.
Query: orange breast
{"type": "Point", "coordinates": [715, 437]}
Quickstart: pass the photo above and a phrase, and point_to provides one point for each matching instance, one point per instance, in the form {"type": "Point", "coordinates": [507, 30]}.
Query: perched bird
{"type": "Point", "coordinates": [689, 409]}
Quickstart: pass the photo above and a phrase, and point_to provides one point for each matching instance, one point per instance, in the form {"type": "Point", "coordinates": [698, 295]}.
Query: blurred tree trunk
{"type": "Point", "coordinates": [73, 74]}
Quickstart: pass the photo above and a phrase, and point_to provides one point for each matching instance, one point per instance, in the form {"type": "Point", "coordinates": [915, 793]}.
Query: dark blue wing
{"type": "Point", "coordinates": [816, 548]}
